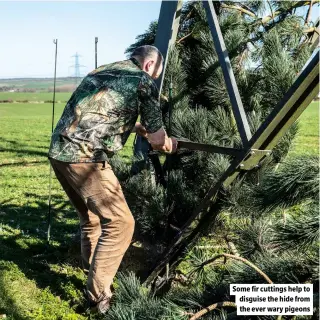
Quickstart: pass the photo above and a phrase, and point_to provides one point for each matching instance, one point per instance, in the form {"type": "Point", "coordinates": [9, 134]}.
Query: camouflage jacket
{"type": "Point", "coordinates": [102, 112]}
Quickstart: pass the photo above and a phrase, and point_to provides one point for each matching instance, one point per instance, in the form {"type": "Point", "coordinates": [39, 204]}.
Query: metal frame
{"type": "Point", "coordinates": [55, 41]}
{"type": "Point", "coordinates": [168, 25]}
{"type": "Point", "coordinates": [255, 149]}
{"type": "Point", "coordinates": [231, 84]}
{"type": "Point", "coordinates": [166, 35]}
{"type": "Point", "coordinates": [209, 148]}
{"type": "Point", "coordinates": [96, 52]}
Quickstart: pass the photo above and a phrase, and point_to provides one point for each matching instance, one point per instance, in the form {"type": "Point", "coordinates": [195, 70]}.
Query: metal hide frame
{"type": "Point", "coordinates": [254, 148]}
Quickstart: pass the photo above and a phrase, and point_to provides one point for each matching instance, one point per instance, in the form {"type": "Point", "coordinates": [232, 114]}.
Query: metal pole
{"type": "Point", "coordinates": [167, 30]}
{"type": "Point", "coordinates": [231, 84]}
{"type": "Point", "coordinates": [96, 52]}
{"type": "Point", "coordinates": [170, 108]}
{"type": "Point", "coordinates": [55, 41]}
{"type": "Point", "coordinates": [169, 156]}
{"type": "Point", "coordinates": [168, 24]}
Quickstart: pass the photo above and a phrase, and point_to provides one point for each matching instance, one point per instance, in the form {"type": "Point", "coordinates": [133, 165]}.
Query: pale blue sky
{"type": "Point", "coordinates": [28, 30]}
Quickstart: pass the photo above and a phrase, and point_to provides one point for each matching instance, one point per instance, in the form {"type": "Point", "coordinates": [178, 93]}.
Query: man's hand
{"type": "Point", "coordinates": [161, 142]}
{"type": "Point", "coordinates": [163, 98]}
{"type": "Point", "coordinates": [171, 145]}
{"type": "Point", "coordinates": [140, 130]}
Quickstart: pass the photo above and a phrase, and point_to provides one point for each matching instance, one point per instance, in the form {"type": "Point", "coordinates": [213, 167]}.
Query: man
{"type": "Point", "coordinates": [95, 124]}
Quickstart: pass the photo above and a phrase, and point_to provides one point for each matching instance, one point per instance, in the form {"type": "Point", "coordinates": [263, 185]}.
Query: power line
{"type": "Point", "coordinates": [77, 67]}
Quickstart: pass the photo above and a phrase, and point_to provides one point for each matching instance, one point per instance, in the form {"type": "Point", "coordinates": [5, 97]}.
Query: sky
{"type": "Point", "coordinates": [29, 27]}
{"type": "Point", "coordinates": [28, 30]}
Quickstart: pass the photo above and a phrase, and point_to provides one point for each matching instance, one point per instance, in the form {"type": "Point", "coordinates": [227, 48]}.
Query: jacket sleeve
{"type": "Point", "coordinates": [149, 103]}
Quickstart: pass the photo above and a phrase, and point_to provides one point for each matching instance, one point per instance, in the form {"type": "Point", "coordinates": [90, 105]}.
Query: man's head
{"type": "Point", "coordinates": [150, 59]}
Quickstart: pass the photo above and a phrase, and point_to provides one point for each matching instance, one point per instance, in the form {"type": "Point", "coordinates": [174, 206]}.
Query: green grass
{"type": "Point", "coordinates": [46, 282]}
{"type": "Point", "coordinates": [33, 83]}
{"type": "Point", "coordinates": [38, 281]}
{"type": "Point", "coordinates": [307, 141]}
{"type": "Point", "coordinates": [35, 96]}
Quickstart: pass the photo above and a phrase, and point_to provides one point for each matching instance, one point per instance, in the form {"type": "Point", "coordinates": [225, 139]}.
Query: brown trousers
{"type": "Point", "coordinates": [105, 219]}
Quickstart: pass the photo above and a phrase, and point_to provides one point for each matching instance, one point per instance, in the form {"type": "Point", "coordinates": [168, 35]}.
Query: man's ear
{"type": "Point", "coordinates": [149, 64]}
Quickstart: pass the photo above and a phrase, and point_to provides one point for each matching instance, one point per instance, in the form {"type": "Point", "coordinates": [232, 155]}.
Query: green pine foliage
{"type": "Point", "coordinates": [146, 38]}
{"type": "Point", "coordinates": [269, 216]}
{"type": "Point", "coordinates": [294, 182]}
{"type": "Point", "coordinates": [292, 236]}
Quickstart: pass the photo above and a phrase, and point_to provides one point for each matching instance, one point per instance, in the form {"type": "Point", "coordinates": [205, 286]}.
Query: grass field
{"type": "Point", "coordinates": [35, 96]}
{"type": "Point", "coordinates": [34, 83]}
{"type": "Point", "coordinates": [44, 282]}
{"type": "Point", "coordinates": [36, 281]}
{"type": "Point", "coordinates": [307, 141]}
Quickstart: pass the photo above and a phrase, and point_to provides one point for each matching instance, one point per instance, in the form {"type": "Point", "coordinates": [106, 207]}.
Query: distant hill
{"type": "Point", "coordinates": [38, 84]}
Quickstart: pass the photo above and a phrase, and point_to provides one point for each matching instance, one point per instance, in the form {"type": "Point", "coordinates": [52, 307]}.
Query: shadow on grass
{"type": "Point", "coordinates": [10, 305]}
{"type": "Point", "coordinates": [19, 144]}
{"type": "Point", "coordinates": [23, 163]}
{"type": "Point", "coordinates": [23, 149]}
{"type": "Point", "coordinates": [32, 219]}
{"type": "Point", "coordinates": [23, 242]}
{"type": "Point", "coordinates": [24, 152]}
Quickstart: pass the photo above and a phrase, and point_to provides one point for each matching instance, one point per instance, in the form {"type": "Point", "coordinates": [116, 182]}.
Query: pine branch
{"type": "Point", "coordinates": [233, 248]}
{"type": "Point", "coordinates": [292, 236]}
{"type": "Point", "coordinates": [243, 5]}
{"type": "Point", "coordinates": [245, 261]}
{"type": "Point", "coordinates": [296, 181]}
{"type": "Point", "coordinates": [312, 29]}
{"type": "Point", "coordinates": [199, 314]}
{"type": "Point", "coordinates": [185, 37]}
{"type": "Point", "coordinates": [146, 38]}
{"type": "Point", "coordinates": [277, 13]}
{"type": "Point", "coordinates": [270, 6]}
{"type": "Point", "coordinates": [282, 267]}
{"type": "Point", "coordinates": [257, 6]}
{"type": "Point", "coordinates": [187, 17]}
{"type": "Point", "coordinates": [243, 10]}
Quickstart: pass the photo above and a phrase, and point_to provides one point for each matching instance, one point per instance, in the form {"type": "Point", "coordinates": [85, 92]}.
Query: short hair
{"type": "Point", "coordinates": [146, 52]}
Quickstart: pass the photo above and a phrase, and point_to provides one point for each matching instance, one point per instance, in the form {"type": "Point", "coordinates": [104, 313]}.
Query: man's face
{"type": "Point", "coordinates": [153, 66]}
